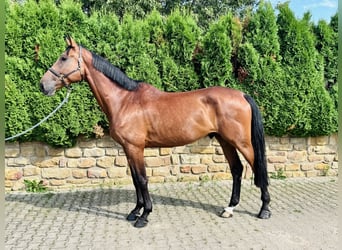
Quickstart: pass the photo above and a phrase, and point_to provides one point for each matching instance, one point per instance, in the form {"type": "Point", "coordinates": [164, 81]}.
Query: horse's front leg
{"type": "Point", "coordinates": [135, 158]}
{"type": "Point", "coordinates": [135, 213]}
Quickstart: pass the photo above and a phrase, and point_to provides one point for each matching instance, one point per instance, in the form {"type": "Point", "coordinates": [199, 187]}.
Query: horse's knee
{"type": "Point", "coordinates": [142, 182]}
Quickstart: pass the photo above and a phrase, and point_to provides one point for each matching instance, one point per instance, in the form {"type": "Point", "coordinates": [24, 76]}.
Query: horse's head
{"type": "Point", "coordinates": [66, 70]}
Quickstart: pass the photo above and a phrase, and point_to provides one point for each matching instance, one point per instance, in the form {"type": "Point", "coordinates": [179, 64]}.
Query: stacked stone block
{"type": "Point", "coordinates": [103, 162]}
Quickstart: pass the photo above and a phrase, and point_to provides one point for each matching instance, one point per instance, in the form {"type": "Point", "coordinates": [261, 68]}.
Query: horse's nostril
{"type": "Point", "coordinates": [41, 86]}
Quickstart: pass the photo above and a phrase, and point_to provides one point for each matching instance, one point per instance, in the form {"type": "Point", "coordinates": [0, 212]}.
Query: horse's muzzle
{"type": "Point", "coordinates": [45, 90]}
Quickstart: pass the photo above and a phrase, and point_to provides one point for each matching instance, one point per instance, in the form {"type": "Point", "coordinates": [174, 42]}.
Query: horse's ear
{"type": "Point", "coordinates": [70, 42]}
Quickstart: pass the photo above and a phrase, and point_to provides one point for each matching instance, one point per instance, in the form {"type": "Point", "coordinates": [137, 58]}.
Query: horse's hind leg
{"type": "Point", "coordinates": [248, 152]}
{"type": "Point", "coordinates": [236, 169]}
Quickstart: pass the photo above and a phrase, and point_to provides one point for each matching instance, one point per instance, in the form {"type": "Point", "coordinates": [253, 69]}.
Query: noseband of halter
{"type": "Point", "coordinates": [61, 77]}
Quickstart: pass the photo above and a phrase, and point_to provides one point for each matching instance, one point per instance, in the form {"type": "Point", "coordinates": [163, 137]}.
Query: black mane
{"type": "Point", "coordinates": [114, 73]}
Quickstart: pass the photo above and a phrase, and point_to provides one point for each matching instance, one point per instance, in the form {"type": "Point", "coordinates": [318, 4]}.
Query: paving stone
{"type": "Point", "coordinates": [185, 216]}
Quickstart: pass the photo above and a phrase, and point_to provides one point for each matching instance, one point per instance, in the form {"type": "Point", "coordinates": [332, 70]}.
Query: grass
{"type": "Point", "coordinates": [279, 175]}
{"type": "Point", "coordinates": [35, 186]}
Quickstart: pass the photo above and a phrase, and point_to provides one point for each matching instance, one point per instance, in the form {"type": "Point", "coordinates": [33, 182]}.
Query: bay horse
{"type": "Point", "coordinates": [142, 116]}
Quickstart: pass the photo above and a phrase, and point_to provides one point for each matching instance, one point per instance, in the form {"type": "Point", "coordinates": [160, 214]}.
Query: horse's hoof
{"type": "Point", "coordinates": [132, 217]}
{"type": "Point", "coordinates": [264, 214]}
{"type": "Point", "coordinates": [226, 214]}
{"type": "Point", "coordinates": [140, 223]}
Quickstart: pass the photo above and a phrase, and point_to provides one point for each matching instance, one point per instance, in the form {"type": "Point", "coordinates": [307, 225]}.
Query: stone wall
{"type": "Point", "coordinates": [103, 162]}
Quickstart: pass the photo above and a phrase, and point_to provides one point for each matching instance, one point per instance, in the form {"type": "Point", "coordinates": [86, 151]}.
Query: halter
{"type": "Point", "coordinates": [61, 77]}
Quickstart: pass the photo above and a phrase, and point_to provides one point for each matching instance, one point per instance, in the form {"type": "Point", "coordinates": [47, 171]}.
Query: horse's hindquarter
{"type": "Point", "coordinates": [174, 119]}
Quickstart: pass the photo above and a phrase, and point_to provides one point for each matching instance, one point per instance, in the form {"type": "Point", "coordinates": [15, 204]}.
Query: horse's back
{"type": "Point", "coordinates": [150, 93]}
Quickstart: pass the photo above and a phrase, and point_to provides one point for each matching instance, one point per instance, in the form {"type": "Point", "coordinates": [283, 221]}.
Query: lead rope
{"type": "Point", "coordinates": [44, 119]}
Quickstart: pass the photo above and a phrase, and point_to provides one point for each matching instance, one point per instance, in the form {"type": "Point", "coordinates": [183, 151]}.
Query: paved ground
{"type": "Point", "coordinates": [184, 217]}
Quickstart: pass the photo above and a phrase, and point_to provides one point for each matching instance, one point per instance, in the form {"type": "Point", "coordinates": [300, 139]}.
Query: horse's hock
{"type": "Point", "coordinates": [102, 161]}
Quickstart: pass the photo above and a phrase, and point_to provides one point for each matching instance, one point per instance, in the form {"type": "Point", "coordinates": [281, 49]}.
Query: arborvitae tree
{"type": "Point", "coordinates": [278, 63]}
{"type": "Point", "coordinates": [16, 116]}
{"type": "Point", "coordinates": [102, 36]}
{"type": "Point", "coordinates": [262, 31]}
{"type": "Point", "coordinates": [38, 31]}
{"type": "Point", "coordinates": [260, 70]}
{"type": "Point", "coordinates": [215, 54]}
{"type": "Point", "coordinates": [139, 9]}
{"type": "Point", "coordinates": [327, 46]}
{"type": "Point", "coordinates": [181, 35]}
{"type": "Point", "coordinates": [308, 109]}
{"type": "Point", "coordinates": [135, 51]}
{"type": "Point", "coordinates": [209, 11]}
{"type": "Point", "coordinates": [334, 23]}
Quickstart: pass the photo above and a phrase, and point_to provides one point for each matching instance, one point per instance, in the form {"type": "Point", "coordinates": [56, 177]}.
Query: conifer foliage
{"type": "Point", "coordinates": [288, 64]}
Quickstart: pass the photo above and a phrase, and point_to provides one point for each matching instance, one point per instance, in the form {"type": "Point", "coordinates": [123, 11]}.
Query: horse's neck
{"type": "Point", "coordinates": [108, 94]}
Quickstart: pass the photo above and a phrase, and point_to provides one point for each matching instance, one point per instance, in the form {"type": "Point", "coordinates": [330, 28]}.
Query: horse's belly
{"type": "Point", "coordinates": [176, 136]}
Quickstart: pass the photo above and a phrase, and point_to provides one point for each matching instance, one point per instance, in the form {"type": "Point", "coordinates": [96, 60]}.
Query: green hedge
{"type": "Point", "coordinates": [282, 61]}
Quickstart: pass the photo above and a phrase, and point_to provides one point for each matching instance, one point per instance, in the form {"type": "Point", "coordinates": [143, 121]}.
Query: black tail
{"type": "Point", "coordinates": [258, 142]}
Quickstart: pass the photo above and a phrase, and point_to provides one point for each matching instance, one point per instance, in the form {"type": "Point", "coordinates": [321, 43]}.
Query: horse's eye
{"type": "Point", "coordinates": [64, 58]}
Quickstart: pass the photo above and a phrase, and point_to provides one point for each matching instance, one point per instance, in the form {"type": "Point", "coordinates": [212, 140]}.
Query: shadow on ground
{"type": "Point", "coordinates": [102, 202]}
